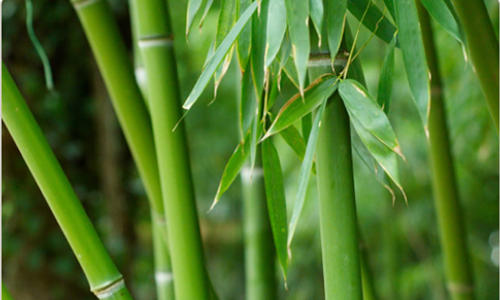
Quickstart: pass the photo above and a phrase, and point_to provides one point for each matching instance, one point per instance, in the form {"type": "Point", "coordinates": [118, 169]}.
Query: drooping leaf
{"type": "Point", "coordinates": [225, 21]}
{"type": "Point", "coordinates": [245, 37]}
{"type": "Point", "coordinates": [248, 102]}
{"type": "Point", "coordinates": [276, 202]}
{"type": "Point", "coordinates": [305, 173]}
{"type": "Point", "coordinates": [316, 12]}
{"type": "Point", "coordinates": [291, 72]}
{"type": "Point", "coordinates": [208, 5]}
{"type": "Point", "coordinates": [444, 16]}
{"type": "Point", "coordinates": [292, 137]}
{"type": "Point", "coordinates": [297, 19]}
{"type": "Point", "coordinates": [374, 19]}
{"type": "Point", "coordinates": [385, 81]}
{"type": "Point", "coordinates": [295, 108]}
{"type": "Point", "coordinates": [412, 48]}
{"type": "Point", "coordinates": [306, 123]}
{"type": "Point", "coordinates": [335, 15]}
{"type": "Point", "coordinates": [218, 56]}
{"type": "Point", "coordinates": [368, 113]}
{"type": "Point", "coordinates": [259, 41]}
{"type": "Point", "coordinates": [276, 27]}
{"type": "Point", "coordinates": [386, 158]}
{"type": "Point", "coordinates": [193, 8]}
{"type": "Point", "coordinates": [232, 168]}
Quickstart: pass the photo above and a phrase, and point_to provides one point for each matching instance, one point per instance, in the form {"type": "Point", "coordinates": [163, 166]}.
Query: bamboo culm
{"type": "Point", "coordinates": [186, 251]}
{"type": "Point", "coordinates": [116, 69]}
{"type": "Point", "coordinates": [260, 278]}
{"type": "Point", "coordinates": [104, 278]}
{"type": "Point", "coordinates": [482, 45]}
{"type": "Point", "coordinates": [449, 212]}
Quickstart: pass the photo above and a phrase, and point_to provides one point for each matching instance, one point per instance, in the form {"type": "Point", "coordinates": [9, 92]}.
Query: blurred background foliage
{"type": "Point", "coordinates": [401, 241]}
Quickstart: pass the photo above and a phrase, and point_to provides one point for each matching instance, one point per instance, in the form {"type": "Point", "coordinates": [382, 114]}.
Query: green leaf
{"type": "Point", "coordinates": [374, 19]}
{"type": "Point", "coordinates": [276, 27]}
{"type": "Point", "coordinates": [412, 47]}
{"type": "Point", "coordinates": [444, 16]}
{"type": "Point", "coordinates": [386, 158]}
{"type": "Point", "coordinates": [225, 21]}
{"type": "Point", "coordinates": [335, 15]}
{"type": "Point", "coordinates": [316, 12]}
{"type": "Point", "coordinates": [385, 81]}
{"type": "Point", "coordinates": [248, 102]}
{"type": "Point", "coordinates": [193, 8]}
{"type": "Point", "coordinates": [232, 168]}
{"type": "Point", "coordinates": [218, 57]}
{"type": "Point", "coordinates": [389, 4]}
{"type": "Point", "coordinates": [259, 42]}
{"type": "Point", "coordinates": [276, 201]}
{"type": "Point", "coordinates": [295, 108]}
{"type": "Point", "coordinates": [305, 173]}
{"type": "Point", "coordinates": [368, 113]}
{"type": "Point", "coordinates": [245, 37]}
{"type": "Point", "coordinates": [293, 138]}
{"type": "Point", "coordinates": [297, 17]}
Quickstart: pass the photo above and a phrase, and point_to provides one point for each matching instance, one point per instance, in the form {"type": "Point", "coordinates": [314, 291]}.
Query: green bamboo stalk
{"type": "Point", "coordinates": [115, 67]}
{"type": "Point", "coordinates": [449, 213]}
{"type": "Point", "coordinates": [163, 268]}
{"type": "Point", "coordinates": [104, 278]}
{"type": "Point", "coordinates": [260, 277]}
{"type": "Point", "coordinates": [482, 46]}
{"type": "Point", "coordinates": [186, 251]}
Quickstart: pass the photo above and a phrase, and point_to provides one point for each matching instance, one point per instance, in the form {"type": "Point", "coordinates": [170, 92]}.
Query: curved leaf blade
{"type": "Point", "coordinates": [276, 27]}
{"type": "Point", "coordinates": [316, 12]}
{"type": "Point", "coordinates": [218, 57]}
{"type": "Point", "coordinates": [444, 16]}
{"type": "Point", "coordinates": [374, 19]}
{"type": "Point", "coordinates": [335, 15]}
{"type": "Point", "coordinates": [385, 82]}
{"type": "Point", "coordinates": [276, 201]}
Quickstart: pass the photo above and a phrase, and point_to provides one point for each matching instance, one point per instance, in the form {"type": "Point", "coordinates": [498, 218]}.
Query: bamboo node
{"type": "Point", "coordinates": [110, 288]}
{"type": "Point", "coordinates": [156, 41]}
{"type": "Point", "coordinates": [163, 277]}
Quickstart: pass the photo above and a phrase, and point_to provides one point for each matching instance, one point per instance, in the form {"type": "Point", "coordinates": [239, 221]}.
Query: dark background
{"type": "Point", "coordinates": [77, 119]}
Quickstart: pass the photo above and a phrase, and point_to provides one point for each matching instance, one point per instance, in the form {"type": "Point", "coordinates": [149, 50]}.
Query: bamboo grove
{"type": "Point", "coordinates": [331, 118]}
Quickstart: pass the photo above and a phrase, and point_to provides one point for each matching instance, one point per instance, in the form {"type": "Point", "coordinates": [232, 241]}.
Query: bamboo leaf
{"type": "Point", "coordinates": [208, 5]}
{"type": "Point", "coordinates": [193, 8]}
{"type": "Point", "coordinates": [305, 173]}
{"type": "Point", "coordinates": [232, 168]}
{"type": "Point", "coordinates": [412, 48]}
{"type": "Point", "coordinates": [245, 37]}
{"type": "Point", "coordinates": [293, 138]}
{"type": "Point", "coordinates": [276, 27]}
{"type": "Point", "coordinates": [442, 13]}
{"type": "Point", "coordinates": [276, 202]}
{"type": "Point", "coordinates": [316, 12]}
{"type": "Point", "coordinates": [258, 51]}
{"type": "Point", "coordinates": [386, 158]}
{"type": "Point", "coordinates": [295, 108]}
{"type": "Point", "coordinates": [368, 113]}
{"type": "Point", "coordinates": [335, 15]}
{"type": "Point", "coordinates": [298, 16]}
{"type": "Point", "coordinates": [225, 21]}
{"type": "Point", "coordinates": [248, 103]}
{"type": "Point", "coordinates": [385, 81]}
{"type": "Point", "coordinates": [389, 4]}
{"type": "Point", "coordinates": [218, 56]}
{"type": "Point", "coordinates": [374, 19]}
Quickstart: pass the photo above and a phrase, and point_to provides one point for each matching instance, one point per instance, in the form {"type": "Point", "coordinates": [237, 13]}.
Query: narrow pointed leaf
{"type": "Point", "coordinates": [193, 8]}
{"type": "Point", "coordinates": [218, 57]}
{"type": "Point", "coordinates": [258, 48]}
{"type": "Point", "coordinates": [297, 19]}
{"type": "Point", "coordinates": [233, 167]}
{"type": "Point", "coordinates": [386, 74]}
{"type": "Point", "coordinates": [208, 5]}
{"type": "Point", "coordinates": [305, 173]}
{"type": "Point", "coordinates": [316, 12]}
{"type": "Point", "coordinates": [374, 20]}
{"type": "Point", "coordinates": [248, 104]}
{"type": "Point", "coordinates": [412, 48]}
{"type": "Point", "coordinates": [295, 108]}
{"type": "Point", "coordinates": [444, 16]}
{"type": "Point", "coordinates": [245, 37]}
{"type": "Point", "coordinates": [293, 138]}
{"type": "Point", "coordinates": [276, 202]}
{"type": "Point", "coordinates": [276, 27]}
{"type": "Point", "coordinates": [368, 113]}
{"type": "Point", "coordinates": [226, 20]}
{"type": "Point", "coordinates": [389, 4]}
{"type": "Point", "coordinates": [335, 15]}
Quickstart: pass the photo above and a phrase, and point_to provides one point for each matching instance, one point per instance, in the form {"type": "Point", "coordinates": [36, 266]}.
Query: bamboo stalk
{"type": "Point", "coordinates": [163, 268]}
{"type": "Point", "coordinates": [113, 62]}
{"type": "Point", "coordinates": [260, 279]}
{"type": "Point", "coordinates": [186, 251]}
{"type": "Point", "coordinates": [483, 48]}
{"type": "Point", "coordinates": [104, 279]}
{"type": "Point", "coordinates": [449, 212]}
